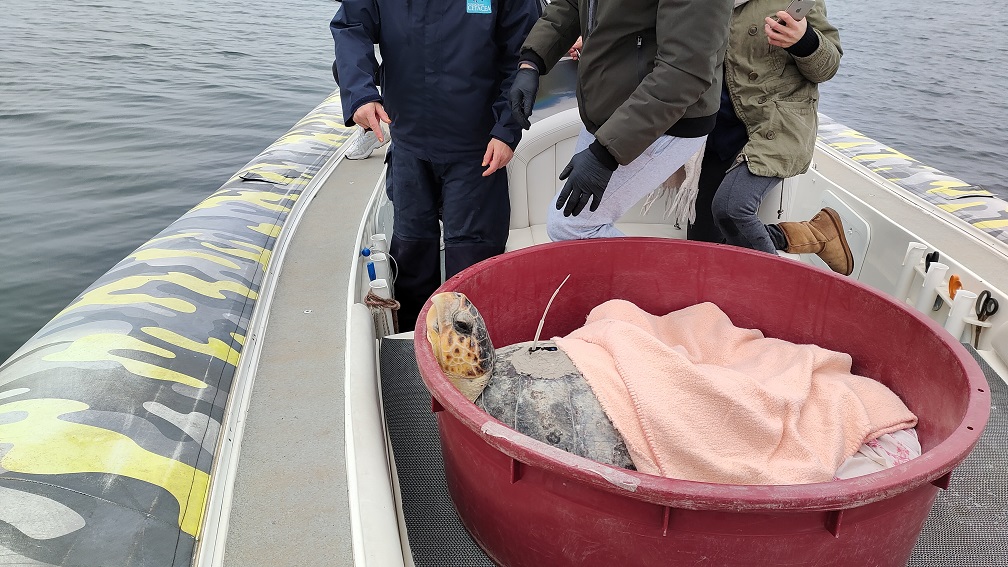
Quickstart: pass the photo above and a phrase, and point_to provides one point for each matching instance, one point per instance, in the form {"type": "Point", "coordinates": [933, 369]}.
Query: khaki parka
{"type": "Point", "coordinates": [775, 94]}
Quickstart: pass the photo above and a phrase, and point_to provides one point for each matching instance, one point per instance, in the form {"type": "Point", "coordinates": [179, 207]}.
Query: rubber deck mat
{"type": "Point", "coordinates": [436, 535]}
{"type": "Point", "coordinates": [968, 525]}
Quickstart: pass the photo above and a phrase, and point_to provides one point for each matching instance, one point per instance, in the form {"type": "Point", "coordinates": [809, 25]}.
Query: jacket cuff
{"type": "Point", "coordinates": [532, 57]}
{"type": "Point", "coordinates": [374, 97]}
{"type": "Point", "coordinates": [806, 45]}
{"type": "Point", "coordinates": [506, 135]}
{"type": "Point", "coordinates": [603, 155]}
{"type": "Point", "coordinates": [820, 65]}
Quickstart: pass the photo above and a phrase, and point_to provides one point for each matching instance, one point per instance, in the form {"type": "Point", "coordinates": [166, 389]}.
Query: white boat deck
{"type": "Point", "coordinates": [290, 503]}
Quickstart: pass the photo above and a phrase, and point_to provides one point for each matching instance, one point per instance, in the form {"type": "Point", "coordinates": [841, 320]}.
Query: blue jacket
{"type": "Point", "coordinates": [447, 66]}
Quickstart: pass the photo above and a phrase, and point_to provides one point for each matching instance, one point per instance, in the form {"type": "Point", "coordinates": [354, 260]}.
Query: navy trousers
{"type": "Point", "coordinates": [476, 213]}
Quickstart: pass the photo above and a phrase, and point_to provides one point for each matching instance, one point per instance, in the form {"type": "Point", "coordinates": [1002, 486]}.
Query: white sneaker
{"type": "Point", "coordinates": [366, 143]}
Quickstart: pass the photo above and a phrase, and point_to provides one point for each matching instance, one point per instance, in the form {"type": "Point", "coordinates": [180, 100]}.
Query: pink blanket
{"type": "Point", "coordinates": [697, 398]}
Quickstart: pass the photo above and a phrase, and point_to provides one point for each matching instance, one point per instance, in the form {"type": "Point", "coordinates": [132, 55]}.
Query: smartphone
{"type": "Point", "coordinates": [798, 8]}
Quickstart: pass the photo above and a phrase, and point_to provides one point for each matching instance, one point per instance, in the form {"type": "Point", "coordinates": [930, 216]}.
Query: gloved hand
{"type": "Point", "coordinates": [522, 95]}
{"type": "Point", "coordinates": [587, 177]}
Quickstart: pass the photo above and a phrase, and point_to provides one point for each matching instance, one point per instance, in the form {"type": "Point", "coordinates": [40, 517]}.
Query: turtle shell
{"type": "Point", "coordinates": [543, 395]}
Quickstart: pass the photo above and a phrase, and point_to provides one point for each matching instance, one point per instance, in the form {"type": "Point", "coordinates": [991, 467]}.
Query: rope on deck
{"type": "Point", "coordinates": [378, 304]}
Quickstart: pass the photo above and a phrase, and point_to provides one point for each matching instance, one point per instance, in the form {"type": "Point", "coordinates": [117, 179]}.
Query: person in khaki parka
{"type": "Point", "coordinates": [765, 132]}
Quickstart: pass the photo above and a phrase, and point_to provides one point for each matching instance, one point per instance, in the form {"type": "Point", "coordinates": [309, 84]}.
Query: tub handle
{"type": "Point", "coordinates": [833, 520]}
{"type": "Point", "coordinates": [943, 481]}
{"type": "Point", "coordinates": [516, 470]}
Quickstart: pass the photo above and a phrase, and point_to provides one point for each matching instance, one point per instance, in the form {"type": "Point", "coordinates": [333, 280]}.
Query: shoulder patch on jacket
{"type": "Point", "coordinates": [477, 6]}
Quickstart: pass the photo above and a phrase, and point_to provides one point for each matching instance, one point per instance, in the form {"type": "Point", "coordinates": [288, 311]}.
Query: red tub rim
{"type": "Point", "coordinates": [834, 495]}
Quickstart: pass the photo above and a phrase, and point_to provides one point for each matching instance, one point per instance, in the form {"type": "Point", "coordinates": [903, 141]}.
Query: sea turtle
{"type": "Point", "coordinates": [537, 392]}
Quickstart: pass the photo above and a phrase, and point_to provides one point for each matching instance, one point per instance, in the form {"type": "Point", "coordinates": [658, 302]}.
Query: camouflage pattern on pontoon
{"type": "Point", "coordinates": [110, 415]}
{"type": "Point", "coordinates": [971, 203]}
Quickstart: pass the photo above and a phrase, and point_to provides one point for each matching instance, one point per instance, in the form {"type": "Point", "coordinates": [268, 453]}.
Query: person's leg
{"type": "Point", "coordinates": [735, 208]}
{"type": "Point", "coordinates": [777, 236]}
{"type": "Point", "coordinates": [629, 184]}
{"type": "Point", "coordinates": [712, 173]}
{"type": "Point", "coordinates": [476, 213]}
{"type": "Point", "coordinates": [415, 242]}
{"type": "Point", "coordinates": [822, 235]}
{"type": "Point", "coordinates": [388, 170]}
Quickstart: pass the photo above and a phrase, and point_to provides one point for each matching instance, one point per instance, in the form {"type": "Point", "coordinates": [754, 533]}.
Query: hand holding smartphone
{"type": "Point", "coordinates": [779, 33]}
{"type": "Point", "coordinates": [798, 8]}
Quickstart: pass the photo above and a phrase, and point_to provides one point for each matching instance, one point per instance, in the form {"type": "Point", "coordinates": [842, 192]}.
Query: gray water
{"type": "Point", "coordinates": [118, 116]}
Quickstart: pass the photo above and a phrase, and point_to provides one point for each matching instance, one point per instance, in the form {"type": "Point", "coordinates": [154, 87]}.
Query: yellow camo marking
{"type": "Point", "coordinates": [99, 347]}
{"type": "Point", "coordinates": [108, 294]}
{"type": "Point", "coordinates": [948, 183]}
{"type": "Point", "coordinates": [951, 188]}
{"type": "Point", "coordinates": [269, 229]}
{"type": "Point", "coordinates": [163, 253]}
{"type": "Point", "coordinates": [43, 444]}
{"type": "Point", "coordinates": [953, 207]}
{"type": "Point", "coordinates": [264, 199]}
{"type": "Point", "coordinates": [891, 154]}
{"type": "Point", "coordinates": [994, 224]}
{"type": "Point", "coordinates": [325, 118]}
{"type": "Point", "coordinates": [848, 145]}
{"type": "Point", "coordinates": [953, 193]}
{"type": "Point", "coordinates": [329, 138]}
{"type": "Point", "coordinates": [239, 338]}
{"type": "Point", "coordinates": [256, 253]}
{"type": "Point", "coordinates": [213, 347]}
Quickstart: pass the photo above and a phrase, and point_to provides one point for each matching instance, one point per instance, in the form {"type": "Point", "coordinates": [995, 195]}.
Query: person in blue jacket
{"type": "Point", "coordinates": [447, 67]}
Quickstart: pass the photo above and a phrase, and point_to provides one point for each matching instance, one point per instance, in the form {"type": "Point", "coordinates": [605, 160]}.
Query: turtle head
{"type": "Point", "coordinates": [461, 343]}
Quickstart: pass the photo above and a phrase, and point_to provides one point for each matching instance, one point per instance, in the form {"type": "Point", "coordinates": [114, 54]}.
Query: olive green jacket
{"type": "Point", "coordinates": [775, 94]}
{"type": "Point", "coordinates": [647, 68]}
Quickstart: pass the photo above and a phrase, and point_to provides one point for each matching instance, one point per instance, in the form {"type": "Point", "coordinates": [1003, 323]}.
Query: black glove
{"type": "Point", "coordinates": [522, 95]}
{"type": "Point", "coordinates": [587, 177]}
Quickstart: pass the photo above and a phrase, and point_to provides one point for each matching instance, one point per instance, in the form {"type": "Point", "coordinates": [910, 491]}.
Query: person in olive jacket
{"type": "Point", "coordinates": [648, 89]}
{"type": "Point", "coordinates": [766, 131]}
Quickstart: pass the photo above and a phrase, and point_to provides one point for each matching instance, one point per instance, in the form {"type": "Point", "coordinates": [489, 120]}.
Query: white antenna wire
{"type": "Point", "coordinates": [535, 341]}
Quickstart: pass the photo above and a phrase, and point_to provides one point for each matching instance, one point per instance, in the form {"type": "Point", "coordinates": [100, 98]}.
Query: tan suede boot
{"type": "Point", "coordinates": [822, 236]}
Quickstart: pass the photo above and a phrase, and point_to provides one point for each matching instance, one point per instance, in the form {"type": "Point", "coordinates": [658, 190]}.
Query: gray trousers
{"type": "Point", "coordinates": [735, 209]}
{"type": "Point", "coordinates": [629, 184]}
{"type": "Point", "coordinates": [727, 205]}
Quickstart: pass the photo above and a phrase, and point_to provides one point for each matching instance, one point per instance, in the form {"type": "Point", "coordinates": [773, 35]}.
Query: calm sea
{"type": "Point", "coordinates": [116, 117]}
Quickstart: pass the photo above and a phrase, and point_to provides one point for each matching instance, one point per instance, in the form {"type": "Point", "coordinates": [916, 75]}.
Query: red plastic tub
{"type": "Point", "coordinates": [529, 504]}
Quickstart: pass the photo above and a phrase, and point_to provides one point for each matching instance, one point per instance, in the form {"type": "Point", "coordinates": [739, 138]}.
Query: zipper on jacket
{"type": "Point", "coordinates": [592, 19]}
{"type": "Point", "coordinates": [641, 64]}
